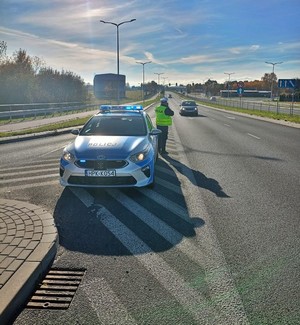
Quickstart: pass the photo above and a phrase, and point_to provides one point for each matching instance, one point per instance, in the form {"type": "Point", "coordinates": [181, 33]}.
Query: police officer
{"type": "Point", "coordinates": [163, 121]}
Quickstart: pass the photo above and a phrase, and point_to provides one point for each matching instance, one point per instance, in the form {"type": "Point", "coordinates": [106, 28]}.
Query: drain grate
{"type": "Point", "coordinates": [57, 289]}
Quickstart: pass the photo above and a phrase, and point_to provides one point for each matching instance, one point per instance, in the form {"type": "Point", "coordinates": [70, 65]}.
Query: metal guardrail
{"type": "Point", "coordinates": [259, 105]}
{"type": "Point", "coordinates": [22, 111]}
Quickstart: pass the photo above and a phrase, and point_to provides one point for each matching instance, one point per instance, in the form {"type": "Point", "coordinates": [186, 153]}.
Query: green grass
{"type": "Point", "coordinates": [272, 115]}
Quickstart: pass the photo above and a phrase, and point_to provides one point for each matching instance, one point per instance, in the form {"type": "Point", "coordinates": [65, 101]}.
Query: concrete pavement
{"type": "Point", "coordinates": [28, 244]}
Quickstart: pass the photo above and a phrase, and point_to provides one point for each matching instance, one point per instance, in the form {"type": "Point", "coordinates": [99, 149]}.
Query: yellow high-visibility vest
{"type": "Point", "coordinates": [161, 118]}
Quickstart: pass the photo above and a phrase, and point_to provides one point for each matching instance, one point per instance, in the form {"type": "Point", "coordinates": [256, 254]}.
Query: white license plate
{"type": "Point", "coordinates": [100, 173]}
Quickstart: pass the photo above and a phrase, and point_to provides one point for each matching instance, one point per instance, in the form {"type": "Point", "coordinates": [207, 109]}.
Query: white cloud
{"type": "Point", "coordinates": [185, 41]}
{"type": "Point", "coordinates": [254, 47]}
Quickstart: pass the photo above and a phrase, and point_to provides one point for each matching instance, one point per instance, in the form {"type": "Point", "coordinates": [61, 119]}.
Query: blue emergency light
{"type": "Point", "coordinates": [109, 108]}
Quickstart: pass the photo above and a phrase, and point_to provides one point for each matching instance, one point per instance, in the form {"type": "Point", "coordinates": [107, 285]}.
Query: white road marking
{"type": "Point", "coordinates": [31, 167]}
{"type": "Point", "coordinates": [170, 205]}
{"type": "Point", "coordinates": [30, 171]}
{"type": "Point", "coordinates": [165, 275]}
{"type": "Point", "coordinates": [31, 185]}
{"type": "Point", "coordinates": [203, 249]}
{"type": "Point", "coordinates": [253, 136]}
{"type": "Point", "coordinates": [168, 185]}
{"type": "Point", "coordinates": [230, 117]}
{"type": "Point", "coordinates": [29, 178]}
{"type": "Point", "coordinates": [157, 267]}
{"type": "Point", "coordinates": [227, 125]}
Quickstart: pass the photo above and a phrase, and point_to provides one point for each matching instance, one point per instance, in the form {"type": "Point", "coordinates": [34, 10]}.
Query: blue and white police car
{"type": "Point", "coordinates": [117, 147]}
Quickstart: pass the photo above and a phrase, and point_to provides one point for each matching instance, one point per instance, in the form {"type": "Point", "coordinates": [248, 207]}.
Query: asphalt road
{"type": "Point", "coordinates": [215, 242]}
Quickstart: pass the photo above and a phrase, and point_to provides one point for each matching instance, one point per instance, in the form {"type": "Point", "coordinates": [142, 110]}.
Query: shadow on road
{"type": "Point", "coordinates": [145, 220]}
{"type": "Point", "coordinates": [197, 178]}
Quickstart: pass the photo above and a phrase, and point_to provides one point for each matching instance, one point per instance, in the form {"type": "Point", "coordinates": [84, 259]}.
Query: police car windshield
{"type": "Point", "coordinates": [110, 125]}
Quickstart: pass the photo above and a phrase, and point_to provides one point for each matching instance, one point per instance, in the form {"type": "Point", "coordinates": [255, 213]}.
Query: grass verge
{"type": "Point", "coordinates": [272, 115]}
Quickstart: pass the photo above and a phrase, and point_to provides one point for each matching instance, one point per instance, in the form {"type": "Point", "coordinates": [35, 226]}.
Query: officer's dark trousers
{"type": "Point", "coordinates": [162, 139]}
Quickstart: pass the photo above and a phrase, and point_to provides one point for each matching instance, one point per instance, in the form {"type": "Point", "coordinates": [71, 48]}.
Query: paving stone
{"type": "Point", "coordinates": [28, 243]}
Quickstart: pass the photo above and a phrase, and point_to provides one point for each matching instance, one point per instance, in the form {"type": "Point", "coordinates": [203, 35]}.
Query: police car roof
{"type": "Point", "coordinates": [121, 108]}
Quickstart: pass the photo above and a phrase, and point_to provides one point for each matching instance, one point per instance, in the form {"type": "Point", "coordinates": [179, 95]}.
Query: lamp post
{"type": "Point", "coordinates": [229, 74]}
{"type": "Point", "coordinates": [158, 75]}
{"type": "Point", "coordinates": [118, 49]}
{"type": "Point", "coordinates": [164, 80]}
{"type": "Point", "coordinates": [143, 63]}
{"type": "Point", "coordinates": [273, 63]}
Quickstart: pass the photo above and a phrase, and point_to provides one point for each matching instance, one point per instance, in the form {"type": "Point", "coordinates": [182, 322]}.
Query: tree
{"type": "Point", "coordinates": [269, 81]}
{"type": "Point", "coordinates": [26, 79]}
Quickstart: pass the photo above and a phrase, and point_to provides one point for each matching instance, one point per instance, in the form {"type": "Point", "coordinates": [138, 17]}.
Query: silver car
{"type": "Point", "coordinates": [188, 107]}
{"type": "Point", "coordinates": [116, 148]}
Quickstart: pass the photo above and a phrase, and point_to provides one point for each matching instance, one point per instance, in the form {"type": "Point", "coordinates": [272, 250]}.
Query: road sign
{"type": "Point", "coordinates": [286, 83]}
{"type": "Point", "coordinates": [240, 90]}
{"type": "Point", "coordinates": [241, 84]}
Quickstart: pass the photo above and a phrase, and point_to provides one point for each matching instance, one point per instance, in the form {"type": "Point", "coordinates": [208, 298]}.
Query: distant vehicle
{"type": "Point", "coordinates": [117, 147]}
{"type": "Point", "coordinates": [170, 96]}
{"type": "Point", "coordinates": [213, 99]}
{"type": "Point", "coordinates": [188, 107]}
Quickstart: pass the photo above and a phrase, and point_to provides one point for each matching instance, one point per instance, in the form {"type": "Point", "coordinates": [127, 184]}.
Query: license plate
{"type": "Point", "coordinates": [100, 173]}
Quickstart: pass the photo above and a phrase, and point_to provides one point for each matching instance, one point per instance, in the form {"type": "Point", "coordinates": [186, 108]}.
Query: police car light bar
{"type": "Point", "coordinates": [107, 108]}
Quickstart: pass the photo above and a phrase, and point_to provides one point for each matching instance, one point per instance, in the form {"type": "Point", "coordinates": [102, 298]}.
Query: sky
{"type": "Point", "coordinates": [186, 41]}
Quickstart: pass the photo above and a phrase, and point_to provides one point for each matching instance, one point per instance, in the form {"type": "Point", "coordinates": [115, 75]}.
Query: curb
{"type": "Point", "coordinates": [20, 285]}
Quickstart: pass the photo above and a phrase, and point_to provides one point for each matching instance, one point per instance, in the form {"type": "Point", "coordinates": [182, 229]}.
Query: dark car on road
{"type": "Point", "coordinates": [188, 107]}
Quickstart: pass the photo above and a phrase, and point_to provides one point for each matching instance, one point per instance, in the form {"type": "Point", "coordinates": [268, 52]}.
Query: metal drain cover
{"type": "Point", "coordinates": [57, 289]}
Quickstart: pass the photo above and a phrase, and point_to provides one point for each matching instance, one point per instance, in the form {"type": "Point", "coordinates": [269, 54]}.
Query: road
{"type": "Point", "coordinates": [215, 242]}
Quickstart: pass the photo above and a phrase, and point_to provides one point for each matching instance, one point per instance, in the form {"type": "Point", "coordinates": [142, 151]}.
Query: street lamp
{"type": "Point", "coordinates": [164, 80]}
{"type": "Point", "coordinates": [229, 74]}
{"type": "Point", "coordinates": [143, 63]}
{"type": "Point", "coordinates": [118, 54]}
{"type": "Point", "coordinates": [273, 63]}
{"type": "Point", "coordinates": [158, 75]}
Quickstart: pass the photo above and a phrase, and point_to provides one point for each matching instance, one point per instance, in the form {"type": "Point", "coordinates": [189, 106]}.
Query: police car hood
{"type": "Point", "coordinates": [108, 147]}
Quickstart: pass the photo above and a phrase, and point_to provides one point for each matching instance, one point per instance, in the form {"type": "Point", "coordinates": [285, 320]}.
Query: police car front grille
{"type": "Point", "coordinates": [101, 164]}
{"type": "Point", "coordinates": [102, 181]}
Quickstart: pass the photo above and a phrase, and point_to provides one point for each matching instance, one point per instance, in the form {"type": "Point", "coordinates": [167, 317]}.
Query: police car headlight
{"type": "Point", "coordinates": [140, 156]}
{"type": "Point", "coordinates": [68, 156]}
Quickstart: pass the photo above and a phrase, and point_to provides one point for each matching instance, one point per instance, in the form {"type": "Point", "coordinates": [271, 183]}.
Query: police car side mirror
{"type": "Point", "coordinates": [155, 132]}
{"type": "Point", "coordinates": [75, 131]}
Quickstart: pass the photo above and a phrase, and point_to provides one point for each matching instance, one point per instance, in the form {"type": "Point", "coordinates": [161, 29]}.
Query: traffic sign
{"type": "Point", "coordinates": [286, 83]}
{"type": "Point", "coordinates": [240, 90]}
{"type": "Point", "coordinates": [241, 84]}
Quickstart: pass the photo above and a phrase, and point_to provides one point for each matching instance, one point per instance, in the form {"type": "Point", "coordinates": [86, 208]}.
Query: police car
{"type": "Point", "coordinates": [117, 147]}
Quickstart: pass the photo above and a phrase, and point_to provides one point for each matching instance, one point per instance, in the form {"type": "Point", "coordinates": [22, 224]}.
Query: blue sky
{"type": "Point", "coordinates": [186, 41]}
